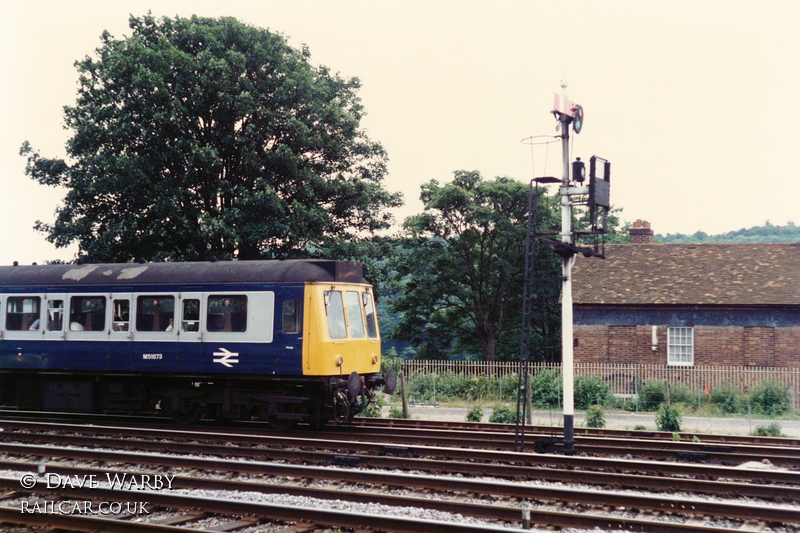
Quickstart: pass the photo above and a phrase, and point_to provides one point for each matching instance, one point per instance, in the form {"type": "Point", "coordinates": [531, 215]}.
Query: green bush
{"type": "Point", "coordinates": [450, 386]}
{"type": "Point", "coordinates": [770, 398]}
{"type": "Point", "coordinates": [477, 387]}
{"type": "Point", "coordinates": [669, 418]}
{"type": "Point", "coordinates": [772, 430]}
{"type": "Point", "coordinates": [680, 393]}
{"type": "Point", "coordinates": [396, 412]}
{"type": "Point", "coordinates": [590, 390]}
{"type": "Point", "coordinates": [595, 417]}
{"type": "Point", "coordinates": [503, 415]}
{"type": "Point", "coordinates": [422, 387]}
{"type": "Point", "coordinates": [475, 414]}
{"type": "Point", "coordinates": [623, 404]}
{"type": "Point", "coordinates": [391, 360]}
{"type": "Point", "coordinates": [510, 385]}
{"type": "Point", "coordinates": [727, 398]}
{"type": "Point", "coordinates": [651, 395]}
{"type": "Point", "coordinates": [374, 409]}
{"type": "Point", "coordinates": [546, 387]}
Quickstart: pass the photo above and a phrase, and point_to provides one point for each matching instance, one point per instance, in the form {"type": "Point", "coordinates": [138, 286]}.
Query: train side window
{"type": "Point", "coordinates": [55, 315]}
{"type": "Point", "coordinates": [191, 315]}
{"type": "Point", "coordinates": [369, 310]}
{"type": "Point", "coordinates": [290, 316]}
{"type": "Point", "coordinates": [155, 313]}
{"type": "Point", "coordinates": [354, 316]}
{"type": "Point", "coordinates": [23, 313]}
{"type": "Point", "coordinates": [334, 309]}
{"type": "Point", "coordinates": [122, 315]}
{"type": "Point", "coordinates": [87, 313]}
{"type": "Point", "coordinates": [227, 313]}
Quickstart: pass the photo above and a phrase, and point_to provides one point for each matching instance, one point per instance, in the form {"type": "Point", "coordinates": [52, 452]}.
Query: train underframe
{"type": "Point", "coordinates": [281, 401]}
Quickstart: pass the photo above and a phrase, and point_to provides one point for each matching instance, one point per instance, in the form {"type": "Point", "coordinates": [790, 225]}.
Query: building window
{"type": "Point", "coordinates": [680, 346]}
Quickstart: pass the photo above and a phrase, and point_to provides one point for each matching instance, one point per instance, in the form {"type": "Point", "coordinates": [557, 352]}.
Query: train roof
{"type": "Point", "coordinates": [192, 273]}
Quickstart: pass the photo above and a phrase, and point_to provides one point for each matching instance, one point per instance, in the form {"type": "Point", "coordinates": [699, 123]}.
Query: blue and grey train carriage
{"type": "Point", "coordinates": [284, 341]}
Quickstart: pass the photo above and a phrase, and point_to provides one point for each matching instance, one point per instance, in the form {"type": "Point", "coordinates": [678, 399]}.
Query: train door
{"type": "Point", "coordinates": [121, 334]}
{"type": "Point", "coordinates": [190, 334]}
{"type": "Point", "coordinates": [87, 319]}
{"type": "Point", "coordinates": [22, 332]}
{"type": "Point", "coordinates": [155, 337]}
{"type": "Point", "coordinates": [288, 341]}
{"type": "Point", "coordinates": [54, 326]}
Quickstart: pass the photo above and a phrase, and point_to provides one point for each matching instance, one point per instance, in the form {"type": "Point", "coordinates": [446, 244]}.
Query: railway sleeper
{"type": "Point", "coordinates": [180, 519]}
{"type": "Point", "coordinates": [753, 525]}
{"type": "Point", "coordinates": [699, 521]}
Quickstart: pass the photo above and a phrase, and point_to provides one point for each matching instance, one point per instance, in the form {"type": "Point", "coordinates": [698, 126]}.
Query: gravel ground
{"type": "Point", "coordinates": [623, 420]}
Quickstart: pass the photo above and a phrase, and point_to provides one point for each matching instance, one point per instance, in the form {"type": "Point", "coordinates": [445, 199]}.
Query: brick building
{"type": "Point", "coordinates": [688, 304]}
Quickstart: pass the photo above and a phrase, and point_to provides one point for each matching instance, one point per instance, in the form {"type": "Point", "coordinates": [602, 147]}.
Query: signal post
{"type": "Point", "coordinates": [595, 197]}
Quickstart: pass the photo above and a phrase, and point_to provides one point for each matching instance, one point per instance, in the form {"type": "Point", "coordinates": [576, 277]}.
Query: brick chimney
{"type": "Point", "coordinates": [641, 233]}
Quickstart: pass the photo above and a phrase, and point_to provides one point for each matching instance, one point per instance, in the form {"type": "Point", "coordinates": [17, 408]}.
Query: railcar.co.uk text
{"type": "Point", "coordinates": [105, 481]}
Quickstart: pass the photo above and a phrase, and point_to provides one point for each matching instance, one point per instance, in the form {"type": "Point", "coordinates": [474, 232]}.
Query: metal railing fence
{"type": "Point", "coordinates": [625, 379]}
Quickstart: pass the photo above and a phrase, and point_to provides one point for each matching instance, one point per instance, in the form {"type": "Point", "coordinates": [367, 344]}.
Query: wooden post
{"type": "Point", "coordinates": [403, 394]}
{"type": "Point", "coordinates": [529, 400]}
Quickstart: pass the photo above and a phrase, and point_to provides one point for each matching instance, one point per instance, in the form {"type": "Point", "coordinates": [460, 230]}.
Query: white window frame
{"type": "Point", "coordinates": [680, 346]}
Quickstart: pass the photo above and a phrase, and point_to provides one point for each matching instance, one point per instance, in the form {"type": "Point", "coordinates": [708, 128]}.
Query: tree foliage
{"type": "Point", "coordinates": [463, 267]}
{"type": "Point", "coordinates": [199, 137]}
{"type": "Point", "coordinates": [766, 233]}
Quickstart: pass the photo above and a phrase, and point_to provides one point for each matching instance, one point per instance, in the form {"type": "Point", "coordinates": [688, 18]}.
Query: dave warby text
{"type": "Point", "coordinates": [116, 481]}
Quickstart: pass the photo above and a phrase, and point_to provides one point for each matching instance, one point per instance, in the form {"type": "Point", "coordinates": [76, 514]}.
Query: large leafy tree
{"type": "Point", "coordinates": [208, 137]}
{"type": "Point", "coordinates": [462, 269]}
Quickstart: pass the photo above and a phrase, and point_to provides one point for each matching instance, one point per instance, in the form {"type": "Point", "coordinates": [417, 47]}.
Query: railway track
{"type": "Point", "coordinates": [513, 488]}
{"type": "Point", "coordinates": [506, 433]}
{"type": "Point", "coordinates": [369, 439]}
{"type": "Point", "coordinates": [361, 486]}
{"type": "Point", "coordinates": [533, 431]}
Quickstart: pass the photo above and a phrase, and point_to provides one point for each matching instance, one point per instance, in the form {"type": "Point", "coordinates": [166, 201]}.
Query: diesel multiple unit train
{"type": "Point", "coordinates": [283, 341]}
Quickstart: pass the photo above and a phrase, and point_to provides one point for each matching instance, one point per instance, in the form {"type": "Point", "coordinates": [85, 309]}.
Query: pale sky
{"type": "Point", "coordinates": [695, 102]}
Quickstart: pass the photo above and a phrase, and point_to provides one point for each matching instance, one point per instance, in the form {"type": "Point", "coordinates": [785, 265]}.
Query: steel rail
{"type": "Point", "coordinates": [394, 523]}
{"type": "Point", "coordinates": [504, 435]}
{"type": "Point", "coordinates": [542, 430]}
{"type": "Point", "coordinates": [87, 524]}
{"type": "Point", "coordinates": [726, 453]}
{"type": "Point", "coordinates": [617, 480]}
{"type": "Point", "coordinates": [351, 476]}
{"type": "Point", "coordinates": [321, 517]}
{"type": "Point", "coordinates": [399, 423]}
{"type": "Point", "coordinates": [378, 454]}
{"type": "Point", "coordinates": [682, 451]}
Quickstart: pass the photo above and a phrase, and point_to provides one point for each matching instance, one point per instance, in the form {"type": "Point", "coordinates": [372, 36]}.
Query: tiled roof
{"type": "Point", "coordinates": [690, 274]}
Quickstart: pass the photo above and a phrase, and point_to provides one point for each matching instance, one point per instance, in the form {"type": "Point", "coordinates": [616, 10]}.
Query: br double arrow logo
{"type": "Point", "coordinates": [226, 357]}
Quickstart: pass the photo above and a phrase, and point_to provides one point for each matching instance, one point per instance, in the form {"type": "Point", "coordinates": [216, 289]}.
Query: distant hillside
{"type": "Point", "coordinates": [765, 233]}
